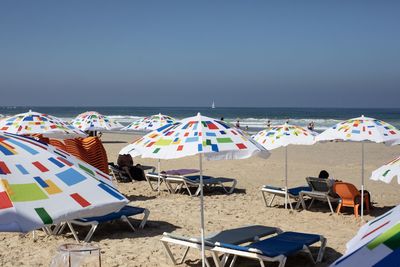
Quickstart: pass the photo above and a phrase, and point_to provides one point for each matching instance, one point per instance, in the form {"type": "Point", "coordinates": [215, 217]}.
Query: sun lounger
{"type": "Point", "coordinates": [273, 249]}
{"type": "Point", "coordinates": [293, 193]}
{"type": "Point", "coordinates": [193, 181]}
{"type": "Point", "coordinates": [321, 191]}
{"type": "Point", "coordinates": [238, 236]}
{"type": "Point", "coordinates": [118, 174]}
{"type": "Point", "coordinates": [123, 214]}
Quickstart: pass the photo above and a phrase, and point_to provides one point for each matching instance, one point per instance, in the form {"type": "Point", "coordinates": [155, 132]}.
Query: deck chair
{"type": "Point", "coordinates": [321, 190]}
{"type": "Point", "coordinates": [350, 197]}
{"type": "Point", "coordinates": [185, 183]}
{"type": "Point", "coordinates": [237, 236]}
{"type": "Point", "coordinates": [274, 249]}
{"type": "Point", "coordinates": [93, 222]}
{"type": "Point", "coordinates": [293, 193]}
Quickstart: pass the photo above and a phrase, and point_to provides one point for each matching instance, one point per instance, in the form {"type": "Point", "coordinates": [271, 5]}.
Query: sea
{"type": "Point", "coordinates": [253, 119]}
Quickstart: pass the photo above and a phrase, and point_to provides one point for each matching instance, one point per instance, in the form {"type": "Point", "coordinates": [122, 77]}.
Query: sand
{"type": "Point", "coordinates": [179, 213]}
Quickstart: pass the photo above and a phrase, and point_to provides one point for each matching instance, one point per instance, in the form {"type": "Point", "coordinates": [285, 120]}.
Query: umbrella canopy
{"type": "Point", "coordinates": [198, 135]}
{"type": "Point", "coordinates": [282, 136]}
{"type": "Point", "coordinates": [149, 123]}
{"type": "Point", "coordinates": [377, 243]}
{"type": "Point", "coordinates": [387, 172]}
{"type": "Point", "coordinates": [361, 129]}
{"type": "Point", "coordinates": [214, 139]}
{"type": "Point", "coordinates": [94, 121]}
{"type": "Point", "coordinates": [38, 123]}
{"type": "Point", "coordinates": [42, 185]}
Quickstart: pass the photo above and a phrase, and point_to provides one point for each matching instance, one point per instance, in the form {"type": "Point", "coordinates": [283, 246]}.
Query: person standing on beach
{"type": "Point", "coordinates": [268, 124]}
{"type": "Point", "coordinates": [237, 124]}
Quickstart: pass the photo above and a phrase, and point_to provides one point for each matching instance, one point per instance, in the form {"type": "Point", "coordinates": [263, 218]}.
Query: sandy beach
{"type": "Point", "coordinates": [179, 213]}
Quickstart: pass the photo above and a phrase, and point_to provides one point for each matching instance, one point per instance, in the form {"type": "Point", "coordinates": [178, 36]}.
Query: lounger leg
{"type": "Point", "coordinates": [91, 232]}
{"type": "Point", "coordinates": [282, 262]}
{"type": "Point", "coordinates": [73, 231]}
{"type": "Point", "coordinates": [264, 198]}
{"type": "Point", "coordinates": [125, 219]}
{"type": "Point", "coordinates": [217, 262]}
{"type": "Point", "coordinates": [312, 201]}
{"type": "Point", "coordinates": [169, 253]}
{"type": "Point", "coordinates": [330, 205]}
{"type": "Point", "coordinates": [321, 250]}
{"type": "Point", "coordinates": [307, 250]}
{"type": "Point", "coordinates": [145, 217]}
{"type": "Point", "coordinates": [233, 261]}
{"type": "Point", "coordinates": [272, 199]}
{"type": "Point", "coordinates": [184, 255]}
{"type": "Point", "coordinates": [262, 264]}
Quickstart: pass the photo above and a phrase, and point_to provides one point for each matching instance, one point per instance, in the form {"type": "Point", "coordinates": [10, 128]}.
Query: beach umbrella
{"type": "Point", "coordinates": [361, 129]}
{"type": "Point", "coordinates": [387, 171]}
{"type": "Point", "coordinates": [94, 121]}
{"type": "Point", "coordinates": [31, 122]}
{"type": "Point", "coordinates": [282, 136]}
{"type": "Point", "coordinates": [41, 185]}
{"type": "Point", "coordinates": [202, 136]}
{"type": "Point", "coordinates": [377, 243]}
{"type": "Point", "coordinates": [149, 123]}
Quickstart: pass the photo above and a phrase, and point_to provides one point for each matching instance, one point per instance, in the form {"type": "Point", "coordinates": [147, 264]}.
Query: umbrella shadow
{"type": "Point", "coordinates": [121, 230]}
{"type": "Point", "coordinates": [378, 211]}
{"type": "Point", "coordinates": [300, 259]}
{"type": "Point", "coordinates": [139, 197]}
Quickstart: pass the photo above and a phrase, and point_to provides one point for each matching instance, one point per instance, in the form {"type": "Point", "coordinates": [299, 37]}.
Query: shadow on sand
{"type": "Point", "coordinates": [299, 259]}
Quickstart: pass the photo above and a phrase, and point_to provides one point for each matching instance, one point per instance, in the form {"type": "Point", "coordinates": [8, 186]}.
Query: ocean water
{"type": "Point", "coordinates": [254, 118]}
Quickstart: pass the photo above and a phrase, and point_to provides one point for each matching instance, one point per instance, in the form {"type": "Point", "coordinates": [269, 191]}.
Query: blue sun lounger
{"type": "Point", "coordinates": [240, 235]}
{"type": "Point", "coordinates": [123, 214]}
{"type": "Point", "coordinates": [274, 249]}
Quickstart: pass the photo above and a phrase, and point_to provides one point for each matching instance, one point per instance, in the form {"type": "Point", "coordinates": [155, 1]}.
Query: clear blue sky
{"type": "Point", "coordinates": [188, 53]}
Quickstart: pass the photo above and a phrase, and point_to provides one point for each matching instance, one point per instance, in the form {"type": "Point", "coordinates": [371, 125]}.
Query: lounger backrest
{"type": "Point", "coordinates": [318, 184]}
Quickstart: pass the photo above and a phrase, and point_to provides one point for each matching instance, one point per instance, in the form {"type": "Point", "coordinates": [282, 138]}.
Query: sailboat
{"type": "Point", "coordinates": [213, 105]}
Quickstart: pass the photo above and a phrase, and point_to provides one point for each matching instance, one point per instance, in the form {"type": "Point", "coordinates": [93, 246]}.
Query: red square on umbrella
{"type": "Point", "coordinates": [5, 201]}
{"type": "Point", "coordinates": [180, 148]}
{"type": "Point", "coordinates": [241, 146]}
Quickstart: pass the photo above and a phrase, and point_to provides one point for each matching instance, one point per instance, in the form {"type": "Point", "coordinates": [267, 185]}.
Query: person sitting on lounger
{"type": "Point", "coordinates": [125, 162]}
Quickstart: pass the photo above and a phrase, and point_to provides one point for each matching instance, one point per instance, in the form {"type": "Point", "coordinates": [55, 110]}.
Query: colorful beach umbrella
{"type": "Point", "coordinates": [149, 123]}
{"type": "Point", "coordinates": [377, 243]}
{"type": "Point", "coordinates": [361, 129]}
{"type": "Point", "coordinates": [42, 185]}
{"type": "Point", "coordinates": [198, 135]}
{"type": "Point", "coordinates": [38, 123]}
{"type": "Point", "coordinates": [388, 171]}
{"type": "Point", "coordinates": [94, 121]}
{"type": "Point", "coordinates": [282, 136]}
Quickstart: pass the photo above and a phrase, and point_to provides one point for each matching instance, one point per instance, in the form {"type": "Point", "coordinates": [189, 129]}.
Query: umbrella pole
{"type": "Point", "coordinates": [362, 180]}
{"type": "Point", "coordinates": [159, 175]}
{"type": "Point", "coordinates": [286, 182]}
{"type": "Point", "coordinates": [203, 252]}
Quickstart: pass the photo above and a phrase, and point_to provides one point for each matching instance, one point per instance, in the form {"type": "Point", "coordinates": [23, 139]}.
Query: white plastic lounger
{"type": "Point", "coordinates": [123, 214]}
{"type": "Point", "coordinates": [293, 193]}
{"type": "Point", "coordinates": [193, 181]}
{"type": "Point", "coordinates": [273, 249]}
{"type": "Point", "coordinates": [239, 235]}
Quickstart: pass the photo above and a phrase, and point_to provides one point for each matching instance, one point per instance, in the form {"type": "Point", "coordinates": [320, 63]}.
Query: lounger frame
{"type": "Point", "coordinates": [94, 224]}
{"type": "Point", "coordinates": [257, 255]}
